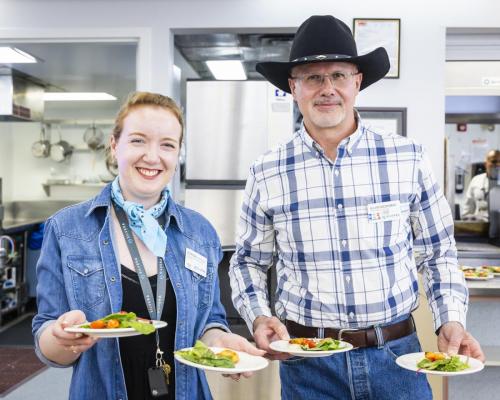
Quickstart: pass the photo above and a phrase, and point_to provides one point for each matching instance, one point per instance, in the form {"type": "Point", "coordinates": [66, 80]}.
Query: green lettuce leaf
{"type": "Point", "coordinates": [450, 364]}
{"type": "Point", "coordinates": [201, 354]}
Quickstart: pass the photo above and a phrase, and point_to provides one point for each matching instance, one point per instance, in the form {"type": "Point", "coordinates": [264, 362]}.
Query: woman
{"type": "Point", "coordinates": [87, 269]}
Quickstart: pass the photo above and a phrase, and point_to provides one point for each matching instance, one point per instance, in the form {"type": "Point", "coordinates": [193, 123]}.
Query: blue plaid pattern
{"type": "Point", "coordinates": [335, 267]}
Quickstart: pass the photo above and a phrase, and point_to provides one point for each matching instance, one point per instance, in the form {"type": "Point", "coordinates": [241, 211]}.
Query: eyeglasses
{"type": "Point", "coordinates": [338, 79]}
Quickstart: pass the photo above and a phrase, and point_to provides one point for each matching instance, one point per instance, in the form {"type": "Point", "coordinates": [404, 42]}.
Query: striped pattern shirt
{"type": "Point", "coordinates": [336, 264]}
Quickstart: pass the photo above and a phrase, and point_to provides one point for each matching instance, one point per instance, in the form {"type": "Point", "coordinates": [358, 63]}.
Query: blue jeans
{"type": "Point", "coordinates": [361, 374]}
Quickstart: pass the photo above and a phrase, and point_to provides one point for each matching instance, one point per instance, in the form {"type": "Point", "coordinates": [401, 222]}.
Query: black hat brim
{"type": "Point", "coordinates": [373, 65]}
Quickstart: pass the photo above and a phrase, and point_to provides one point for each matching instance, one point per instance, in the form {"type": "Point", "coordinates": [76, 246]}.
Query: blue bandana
{"type": "Point", "coordinates": [143, 222]}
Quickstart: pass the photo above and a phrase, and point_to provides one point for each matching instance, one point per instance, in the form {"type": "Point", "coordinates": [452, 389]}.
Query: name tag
{"type": "Point", "coordinates": [385, 211]}
{"type": "Point", "coordinates": [196, 262]}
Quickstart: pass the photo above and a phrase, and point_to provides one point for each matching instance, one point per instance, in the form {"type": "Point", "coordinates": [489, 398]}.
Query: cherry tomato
{"type": "Point", "coordinates": [99, 324]}
{"type": "Point", "coordinates": [113, 323]}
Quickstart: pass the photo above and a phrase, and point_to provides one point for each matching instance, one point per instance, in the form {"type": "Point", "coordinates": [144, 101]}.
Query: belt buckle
{"type": "Point", "coordinates": [341, 331]}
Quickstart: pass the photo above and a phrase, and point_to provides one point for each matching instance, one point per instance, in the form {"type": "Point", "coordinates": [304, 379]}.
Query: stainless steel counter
{"type": "Point", "coordinates": [20, 215]}
{"type": "Point", "coordinates": [479, 249]}
{"type": "Point", "coordinates": [484, 288]}
{"type": "Point", "coordinates": [477, 254]}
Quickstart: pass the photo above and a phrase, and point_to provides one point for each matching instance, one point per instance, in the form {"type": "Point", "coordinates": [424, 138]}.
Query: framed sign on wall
{"type": "Point", "coordinates": [390, 120]}
{"type": "Point", "coordinates": [370, 33]}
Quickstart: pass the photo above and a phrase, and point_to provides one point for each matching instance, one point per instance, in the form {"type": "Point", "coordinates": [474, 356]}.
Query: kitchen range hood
{"type": "Point", "coordinates": [21, 96]}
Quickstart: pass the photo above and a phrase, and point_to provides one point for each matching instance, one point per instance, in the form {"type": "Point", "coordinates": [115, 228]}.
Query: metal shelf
{"type": "Point", "coordinates": [47, 186]}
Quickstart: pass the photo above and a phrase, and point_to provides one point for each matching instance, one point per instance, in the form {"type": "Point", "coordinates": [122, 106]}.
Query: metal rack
{"type": "Point", "coordinates": [13, 290]}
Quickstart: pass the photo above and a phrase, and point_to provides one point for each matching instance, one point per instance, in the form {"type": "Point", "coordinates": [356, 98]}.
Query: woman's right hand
{"type": "Point", "coordinates": [74, 342]}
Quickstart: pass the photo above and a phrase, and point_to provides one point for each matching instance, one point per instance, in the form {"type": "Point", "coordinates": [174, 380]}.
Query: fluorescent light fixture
{"type": "Point", "coordinates": [77, 96]}
{"type": "Point", "coordinates": [227, 70]}
{"type": "Point", "coordinates": [12, 55]}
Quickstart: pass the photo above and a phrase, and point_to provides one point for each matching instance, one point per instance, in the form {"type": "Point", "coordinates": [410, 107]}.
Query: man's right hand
{"type": "Point", "coordinates": [267, 330]}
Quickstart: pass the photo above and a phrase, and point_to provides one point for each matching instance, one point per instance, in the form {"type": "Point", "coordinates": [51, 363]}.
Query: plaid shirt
{"type": "Point", "coordinates": [336, 265]}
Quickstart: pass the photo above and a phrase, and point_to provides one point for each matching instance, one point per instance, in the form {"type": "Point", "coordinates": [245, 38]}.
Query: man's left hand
{"type": "Point", "coordinates": [454, 339]}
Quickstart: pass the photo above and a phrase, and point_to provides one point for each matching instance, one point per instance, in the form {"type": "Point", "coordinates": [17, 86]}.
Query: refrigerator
{"type": "Point", "coordinates": [229, 124]}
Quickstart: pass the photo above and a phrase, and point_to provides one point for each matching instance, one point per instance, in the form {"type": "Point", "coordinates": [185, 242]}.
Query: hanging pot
{"type": "Point", "coordinates": [94, 137]}
{"type": "Point", "coordinates": [41, 148]}
{"type": "Point", "coordinates": [60, 150]}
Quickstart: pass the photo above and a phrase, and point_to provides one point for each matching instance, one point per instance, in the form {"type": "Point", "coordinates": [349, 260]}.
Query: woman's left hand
{"type": "Point", "coordinates": [219, 338]}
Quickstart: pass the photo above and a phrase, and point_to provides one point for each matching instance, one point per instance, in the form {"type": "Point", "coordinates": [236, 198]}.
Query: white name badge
{"type": "Point", "coordinates": [385, 211]}
{"type": "Point", "coordinates": [196, 262]}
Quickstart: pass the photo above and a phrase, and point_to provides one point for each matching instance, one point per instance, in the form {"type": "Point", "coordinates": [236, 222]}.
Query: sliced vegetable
{"type": "Point", "coordinates": [442, 362]}
{"type": "Point", "coordinates": [122, 320]}
{"type": "Point", "coordinates": [326, 344]}
{"type": "Point", "coordinates": [230, 354]}
{"type": "Point", "coordinates": [99, 324]}
{"type": "Point", "coordinates": [201, 354]}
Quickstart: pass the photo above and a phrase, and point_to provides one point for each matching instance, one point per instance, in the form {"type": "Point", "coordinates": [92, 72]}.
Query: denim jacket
{"type": "Point", "coordinates": [78, 269]}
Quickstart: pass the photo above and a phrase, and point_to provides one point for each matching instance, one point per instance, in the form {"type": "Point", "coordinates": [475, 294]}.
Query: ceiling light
{"type": "Point", "coordinates": [77, 96]}
{"type": "Point", "coordinates": [12, 55]}
{"type": "Point", "coordinates": [227, 70]}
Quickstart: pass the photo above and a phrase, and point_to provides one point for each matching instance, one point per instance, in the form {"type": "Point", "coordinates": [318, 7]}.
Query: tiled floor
{"type": "Point", "coordinates": [53, 384]}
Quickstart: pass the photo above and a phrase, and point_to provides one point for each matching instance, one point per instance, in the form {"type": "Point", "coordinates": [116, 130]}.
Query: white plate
{"type": "Point", "coordinates": [295, 349]}
{"type": "Point", "coordinates": [479, 278]}
{"type": "Point", "coordinates": [410, 361]}
{"type": "Point", "coordinates": [111, 333]}
{"type": "Point", "coordinates": [247, 363]}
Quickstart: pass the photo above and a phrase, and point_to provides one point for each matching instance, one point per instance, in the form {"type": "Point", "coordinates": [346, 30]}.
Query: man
{"type": "Point", "coordinates": [351, 214]}
{"type": "Point", "coordinates": [476, 197]}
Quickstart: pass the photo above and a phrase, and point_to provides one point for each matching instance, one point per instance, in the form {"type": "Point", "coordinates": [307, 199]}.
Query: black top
{"type": "Point", "coordinates": [138, 352]}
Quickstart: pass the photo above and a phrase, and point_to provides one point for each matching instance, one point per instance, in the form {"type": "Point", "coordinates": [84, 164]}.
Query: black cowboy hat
{"type": "Point", "coordinates": [325, 38]}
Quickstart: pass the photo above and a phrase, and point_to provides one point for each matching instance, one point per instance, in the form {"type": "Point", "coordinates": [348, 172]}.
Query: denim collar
{"type": "Point", "coordinates": [103, 200]}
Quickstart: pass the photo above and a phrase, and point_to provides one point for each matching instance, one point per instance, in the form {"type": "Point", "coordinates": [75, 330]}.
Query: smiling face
{"type": "Point", "coordinates": [147, 152]}
{"type": "Point", "coordinates": [328, 106]}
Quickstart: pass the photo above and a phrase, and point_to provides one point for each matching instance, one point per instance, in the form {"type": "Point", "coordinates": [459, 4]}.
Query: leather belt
{"type": "Point", "coordinates": [366, 337]}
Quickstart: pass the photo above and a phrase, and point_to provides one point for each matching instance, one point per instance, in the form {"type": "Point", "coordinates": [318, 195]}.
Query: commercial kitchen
{"type": "Point", "coordinates": [444, 92]}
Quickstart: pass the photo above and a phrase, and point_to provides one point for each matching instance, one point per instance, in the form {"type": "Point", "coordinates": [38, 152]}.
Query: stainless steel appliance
{"type": "Point", "coordinates": [229, 124]}
{"type": "Point", "coordinates": [21, 96]}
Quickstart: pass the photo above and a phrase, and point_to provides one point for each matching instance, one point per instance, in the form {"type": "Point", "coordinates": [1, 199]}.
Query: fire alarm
{"type": "Point", "coordinates": [462, 127]}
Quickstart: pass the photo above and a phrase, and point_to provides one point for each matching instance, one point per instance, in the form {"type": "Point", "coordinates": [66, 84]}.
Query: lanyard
{"type": "Point", "coordinates": [154, 310]}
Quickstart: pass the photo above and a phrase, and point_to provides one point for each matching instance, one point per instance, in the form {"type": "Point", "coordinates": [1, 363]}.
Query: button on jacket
{"type": "Point", "coordinates": [350, 234]}
{"type": "Point", "coordinates": [78, 269]}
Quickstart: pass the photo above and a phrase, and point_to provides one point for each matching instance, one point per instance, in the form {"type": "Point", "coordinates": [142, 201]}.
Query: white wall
{"type": "Point", "coordinates": [30, 172]}
{"type": "Point", "coordinates": [423, 27]}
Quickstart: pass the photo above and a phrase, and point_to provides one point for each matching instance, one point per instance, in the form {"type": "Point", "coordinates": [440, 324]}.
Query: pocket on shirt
{"type": "Point", "coordinates": [202, 287]}
{"type": "Point", "coordinates": [87, 277]}
{"type": "Point", "coordinates": [379, 236]}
